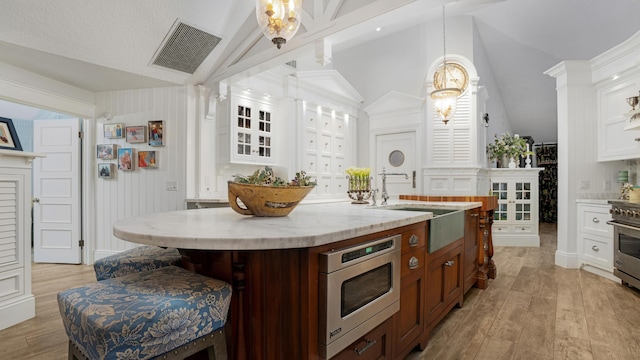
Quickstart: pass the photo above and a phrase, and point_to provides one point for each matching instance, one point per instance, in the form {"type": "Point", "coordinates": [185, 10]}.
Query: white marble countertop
{"type": "Point", "coordinates": [308, 225]}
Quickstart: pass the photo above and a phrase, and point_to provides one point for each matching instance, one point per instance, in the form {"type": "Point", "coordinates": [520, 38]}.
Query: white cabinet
{"type": "Point", "coordinates": [595, 238]}
{"type": "Point", "coordinates": [17, 303]}
{"type": "Point", "coordinates": [516, 218]}
{"type": "Point", "coordinates": [252, 131]}
{"type": "Point", "coordinates": [246, 131]}
{"type": "Point", "coordinates": [614, 142]}
{"type": "Point", "coordinates": [326, 148]}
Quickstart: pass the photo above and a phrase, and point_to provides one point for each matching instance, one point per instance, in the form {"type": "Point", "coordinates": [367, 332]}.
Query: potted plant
{"type": "Point", "coordinates": [511, 147]}
{"type": "Point", "coordinates": [264, 194]}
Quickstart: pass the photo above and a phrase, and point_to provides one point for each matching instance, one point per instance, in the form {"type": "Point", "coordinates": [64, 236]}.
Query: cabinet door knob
{"type": "Point", "coordinates": [449, 263]}
{"type": "Point", "coordinates": [595, 248]}
{"type": "Point", "coordinates": [35, 200]}
{"type": "Point", "coordinates": [413, 263]}
{"type": "Point", "coordinates": [595, 220]}
{"type": "Point", "coordinates": [413, 240]}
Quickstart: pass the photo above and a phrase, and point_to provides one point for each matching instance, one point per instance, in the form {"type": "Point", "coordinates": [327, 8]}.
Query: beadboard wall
{"type": "Point", "coordinates": [141, 191]}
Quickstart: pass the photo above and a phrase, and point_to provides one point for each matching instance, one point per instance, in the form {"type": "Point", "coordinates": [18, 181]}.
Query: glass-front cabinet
{"type": "Point", "coordinates": [516, 218]}
{"type": "Point", "coordinates": [252, 133]}
{"type": "Point", "coordinates": [515, 206]}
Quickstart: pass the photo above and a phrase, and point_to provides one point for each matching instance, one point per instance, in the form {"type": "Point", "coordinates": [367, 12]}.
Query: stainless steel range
{"type": "Point", "coordinates": [626, 251]}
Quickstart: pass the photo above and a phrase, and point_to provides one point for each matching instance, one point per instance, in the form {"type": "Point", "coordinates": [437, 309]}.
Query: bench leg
{"type": "Point", "coordinates": [218, 350]}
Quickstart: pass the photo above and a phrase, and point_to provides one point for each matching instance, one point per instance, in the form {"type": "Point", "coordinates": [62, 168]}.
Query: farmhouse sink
{"type": "Point", "coordinates": [446, 226]}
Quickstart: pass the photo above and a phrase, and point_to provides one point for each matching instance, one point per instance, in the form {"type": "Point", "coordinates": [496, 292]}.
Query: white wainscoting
{"type": "Point", "coordinates": [141, 191]}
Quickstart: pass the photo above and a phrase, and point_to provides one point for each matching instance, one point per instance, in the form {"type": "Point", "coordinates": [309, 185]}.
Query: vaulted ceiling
{"type": "Point", "coordinates": [110, 45]}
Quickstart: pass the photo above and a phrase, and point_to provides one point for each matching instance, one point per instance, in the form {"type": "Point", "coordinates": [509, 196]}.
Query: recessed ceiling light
{"type": "Point", "coordinates": [378, 28]}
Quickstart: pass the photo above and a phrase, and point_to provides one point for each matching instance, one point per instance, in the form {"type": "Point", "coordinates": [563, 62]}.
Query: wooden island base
{"type": "Point", "coordinates": [274, 267]}
{"type": "Point", "coordinates": [486, 267]}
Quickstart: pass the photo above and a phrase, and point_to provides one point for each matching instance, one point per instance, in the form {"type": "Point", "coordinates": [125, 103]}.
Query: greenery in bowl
{"type": "Point", "coordinates": [267, 178]}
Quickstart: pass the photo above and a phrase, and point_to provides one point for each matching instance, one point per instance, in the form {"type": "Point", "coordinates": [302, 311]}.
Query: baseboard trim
{"type": "Point", "coordinates": [567, 260]}
{"type": "Point", "coordinates": [17, 311]}
{"type": "Point", "coordinates": [516, 240]}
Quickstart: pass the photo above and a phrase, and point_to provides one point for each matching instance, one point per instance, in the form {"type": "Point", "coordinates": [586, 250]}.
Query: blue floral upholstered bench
{"type": "Point", "coordinates": [170, 313]}
{"type": "Point", "coordinates": [141, 258]}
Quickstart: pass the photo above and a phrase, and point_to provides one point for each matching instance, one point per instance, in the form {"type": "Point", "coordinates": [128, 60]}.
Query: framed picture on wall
{"type": "Point", "coordinates": [8, 136]}
{"type": "Point", "coordinates": [125, 159]}
{"type": "Point", "coordinates": [114, 131]}
{"type": "Point", "coordinates": [156, 133]}
{"type": "Point", "coordinates": [136, 134]}
{"type": "Point", "coordinates": [105, 170]}
{"type": "Point", "coordinates": [147, 159]}
{"type": "Point", "coordinates": [107, 151]}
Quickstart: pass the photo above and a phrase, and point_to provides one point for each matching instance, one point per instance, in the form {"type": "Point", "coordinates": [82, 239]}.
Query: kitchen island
{"type": "Point", "coordinates": [273, 263]}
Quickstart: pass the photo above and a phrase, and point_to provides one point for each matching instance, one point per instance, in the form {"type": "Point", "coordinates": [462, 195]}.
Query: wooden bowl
{"type": "Point", "coordinates": [261, 200]}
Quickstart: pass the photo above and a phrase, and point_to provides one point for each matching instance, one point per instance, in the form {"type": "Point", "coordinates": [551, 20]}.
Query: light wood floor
{"type": "Point", "coordinates": [532, 310]}
{"type": "Point", "coordinates": [43, 337]}
{"type": "Point", "coordinates": [536, 310]}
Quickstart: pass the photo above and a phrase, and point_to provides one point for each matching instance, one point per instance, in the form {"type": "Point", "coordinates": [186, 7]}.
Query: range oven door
{"type": "Point", "coordinates": [626, 253]}
{"type": "Point", "coordinates": [359, 288]}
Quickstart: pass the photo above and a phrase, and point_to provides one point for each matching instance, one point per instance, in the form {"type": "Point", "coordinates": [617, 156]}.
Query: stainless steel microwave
{"type": "Point", "coordinates": [359, 289]}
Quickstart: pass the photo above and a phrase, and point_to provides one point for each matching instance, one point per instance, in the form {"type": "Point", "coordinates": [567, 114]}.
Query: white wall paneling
{"type": "Point", "coordinates": [141, 191]}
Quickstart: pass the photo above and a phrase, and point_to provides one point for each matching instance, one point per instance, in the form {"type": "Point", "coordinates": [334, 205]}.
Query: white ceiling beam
{"type": "Point", "coordinates": [272, 56]}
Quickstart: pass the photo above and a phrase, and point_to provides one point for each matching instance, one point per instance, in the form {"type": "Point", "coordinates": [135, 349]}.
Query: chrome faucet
{"type": "Point", "coordinates": [384, 174]}
{"type": "Point", "coordinates": [373, 197]}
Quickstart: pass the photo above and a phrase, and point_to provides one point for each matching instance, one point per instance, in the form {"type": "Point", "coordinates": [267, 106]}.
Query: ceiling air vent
{"type": "Point", "coordinates": [185, 48]}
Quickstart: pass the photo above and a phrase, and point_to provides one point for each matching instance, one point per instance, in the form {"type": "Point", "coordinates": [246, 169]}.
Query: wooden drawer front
{"type": "Point", "coordinates": [413, 239]}
{"type": "Point", "coordinates": [598, 251]}
{"type": "Point", "coordinates": [375, 345]}
{"type": "Point", "coordinates": [412, 262]}
{"type": "Point", "coordinates": [594, 220]}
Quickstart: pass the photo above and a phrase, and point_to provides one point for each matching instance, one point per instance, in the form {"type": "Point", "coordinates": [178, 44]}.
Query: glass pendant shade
{"type": "Point", "coordinates": [279, 20]}
{"type": "Point", "coordinates": [445, 101]}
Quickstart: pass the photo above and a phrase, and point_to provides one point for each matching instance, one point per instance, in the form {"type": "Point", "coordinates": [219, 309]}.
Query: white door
{"type": "Point", "coordinates": [396, 154]}
{"type": "Point", "coordinates": [56, 192]}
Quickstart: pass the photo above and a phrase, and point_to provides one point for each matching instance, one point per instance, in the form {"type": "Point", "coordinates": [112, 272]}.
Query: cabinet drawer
{"type": "Point", "coordinates": [598, 251]}
{"type": "Point", "coordinates": [523, 229]}
{"type": "Point", "coordinates": [374, 345]}
{"type": "Point", "coordinates": [413, 239]}
{"type": "Point", "coordinates": [593, 220]}
{"type": "Point", "coordinates": [412, 262]}
{"type": "Point", "coordinates": [500, 229]}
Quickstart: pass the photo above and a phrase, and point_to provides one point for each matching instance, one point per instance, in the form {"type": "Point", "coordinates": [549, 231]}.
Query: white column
{"type": "Point", "coordinates": [576, 133]}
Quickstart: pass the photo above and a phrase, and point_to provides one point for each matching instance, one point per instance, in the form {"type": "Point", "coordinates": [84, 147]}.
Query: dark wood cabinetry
{"type": "Point", "coordinates": [471, 244]}
{"type": "Point", "coordinates": [375, 345]}
{"type": "Point", "coordinates": [486, 268]}
{"type": "Point", "coordinates": [275, 309]}
{"type": "Point", "coordinates": [444, 282]}
{"type": "Point", "coordinates": [409, 322]}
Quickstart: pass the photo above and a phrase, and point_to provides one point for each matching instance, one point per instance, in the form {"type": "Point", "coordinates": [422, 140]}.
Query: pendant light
{"type": "Point", "coordinates": [445, 98]}
{"type": "Point", "coordinates": [279, 20]}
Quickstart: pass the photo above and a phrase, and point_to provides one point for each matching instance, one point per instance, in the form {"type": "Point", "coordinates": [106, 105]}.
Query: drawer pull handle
{"type": "Point", "coordinates": [595, 220]}
{"type": "Point", "coordinates": [370, 343]}
{"type": "Point", "coordinates": [449, 263]}
{"type": "Point", "coordinates": [413, 263]}
{"type": "Point", "coordinates": [475, 215]}
{"type": "Point", "coordinates": [595, 248]}
{"type": "Point", "coordinates": [413, 240]}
